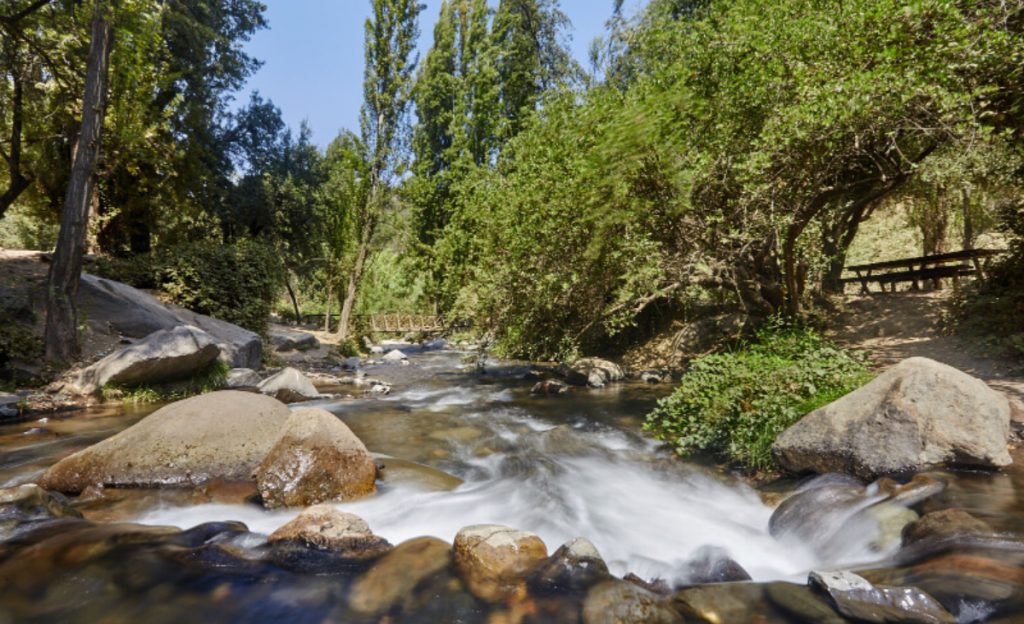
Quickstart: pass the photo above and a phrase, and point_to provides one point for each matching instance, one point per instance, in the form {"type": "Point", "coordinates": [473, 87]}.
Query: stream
{"type": "Point", "coordinates": [559, 466]}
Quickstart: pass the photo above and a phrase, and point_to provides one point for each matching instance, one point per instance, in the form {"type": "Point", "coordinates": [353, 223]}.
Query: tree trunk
{"type": "Point", "coordinates": [293, 295]}
{"type": "Point", "coordinates": [353, 285]}
{"type": "Point", "coordinates": [327, 311]}
{"type": "Point", "coordinates": [17, 182]}
{"type": "Point", "coordinates": [968, 239]}
{"type": "Point", "coordinates": [66, 269]}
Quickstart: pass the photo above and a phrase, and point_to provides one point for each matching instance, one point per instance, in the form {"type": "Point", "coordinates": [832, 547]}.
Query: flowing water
{"type": "Point", "coordinates": [560, 466]}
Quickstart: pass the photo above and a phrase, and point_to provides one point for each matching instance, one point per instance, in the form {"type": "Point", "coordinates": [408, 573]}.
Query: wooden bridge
{"type": "Point", "coordinates": [394, 323]}
{"type": "Point", "coordinates": [953, 265]}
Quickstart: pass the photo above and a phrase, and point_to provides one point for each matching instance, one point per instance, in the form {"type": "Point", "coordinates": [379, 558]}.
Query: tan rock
{"type": "Point", "coordinates": [394, 576]}
{"type": "Point", "coordinates": [327, 528]}
{"type": "Point", "coordinates": [316, 459]}
{"type": "Point", "coordinates": [494, 560]}
{"type": "Point", "coordinates": [619, 602]}
{"type": "Point", "coordinates": [220, 435]}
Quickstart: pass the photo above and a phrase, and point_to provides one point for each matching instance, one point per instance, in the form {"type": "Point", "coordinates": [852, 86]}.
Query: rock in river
{"type": "Point", "coordinates": [221, 435]}
{"type": "Point", "coordinates": [619, 602]}
{"type": "Point", "coordinates": [575, 566]}
{"type": "Point", "coordinates": [326, 528]}
{"type": "Point", "coordinates": [289, 385]}
{"type": "Point", "coordinates": [317, 459]}
{"type": "Point", "coordinates": [861, 601]}
{"type": "Point", "coordinates": [494, 560]}
{"type": "Point", "coordinates": [918, 413]}
{"type": "Point", "coordinates": [593, 372]}
{"type": "Point", "coordinates": [164, 355]}
{"type": "Point", "coordinates": [394, 576]}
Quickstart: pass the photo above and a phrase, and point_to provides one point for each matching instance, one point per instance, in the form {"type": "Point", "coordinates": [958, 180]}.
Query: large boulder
{"type": "Point", "coordinates": [919, 413]}
{"type": "Point", "coordinates": [289, 385]}
{"type": "Point", "coordinates": [494, 560]}
{"type": "Point", "coordinates": [164, 355]}
{"type": "Point", "coordinates": [133, 313]}
{"type": "Point", "coordinates": [222, 435]}
{"type": "Point", "coordinates": [291, 340]}
{"type": "Point", "coordinates": [593, 372]}
{"type": "Point", "coordinates": [316, 459]}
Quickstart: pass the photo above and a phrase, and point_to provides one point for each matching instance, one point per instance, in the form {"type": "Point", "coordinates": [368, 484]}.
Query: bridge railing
{"type": "Point", "coordinates": [393, 322]}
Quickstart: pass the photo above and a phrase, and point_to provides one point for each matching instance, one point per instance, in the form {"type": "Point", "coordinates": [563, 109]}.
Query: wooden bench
{"type": "Point", "coordinates": [953, 265]}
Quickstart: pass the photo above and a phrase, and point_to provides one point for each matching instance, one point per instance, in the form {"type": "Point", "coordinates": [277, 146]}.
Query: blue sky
{"type": "Point", "coordinates": [313, 56]}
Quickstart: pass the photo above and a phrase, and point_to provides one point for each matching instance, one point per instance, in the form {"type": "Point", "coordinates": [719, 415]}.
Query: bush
{"type": "Point", "coordinates": [735, 404]}
{"type": "Point", "coordinates": [237, 283]}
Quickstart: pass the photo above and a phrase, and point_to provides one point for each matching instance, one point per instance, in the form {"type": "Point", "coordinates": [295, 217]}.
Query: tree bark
{"type": "Point", "coordinates": [17, 182]}
{"type": "Point", "coordinates": [293, 295]}
{"type": "Point", "coordinates": [60, 336]}
{"type": "Point", "coordinates": [327, 307]}
{"type": "Point", "coordinates": [968, 238]}
{"type": "Point", "coordinates": [353, 283]}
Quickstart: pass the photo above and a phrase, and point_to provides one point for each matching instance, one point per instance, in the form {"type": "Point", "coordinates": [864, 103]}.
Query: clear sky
{"type": "Point", "coordinates": [313, 56]}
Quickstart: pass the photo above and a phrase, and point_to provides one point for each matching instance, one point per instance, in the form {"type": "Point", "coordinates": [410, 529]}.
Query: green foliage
{"type": "Point", "coordinates": [236, 283]}
{"type": "Point", "coordinates": [17, 342]}
{"type": "Point", "coordinates": [993, 307]}
{"type": "Point", "coordinates": [735, 404]}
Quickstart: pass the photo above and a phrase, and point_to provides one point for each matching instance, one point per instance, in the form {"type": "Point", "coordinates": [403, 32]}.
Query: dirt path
{"type": "Point", "coordinates": [894, 326]}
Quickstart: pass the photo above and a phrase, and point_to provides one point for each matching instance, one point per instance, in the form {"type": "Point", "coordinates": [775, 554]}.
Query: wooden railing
{"type": "Point", "coordinates": [953, 265]}
{"type": "Point", "coordinates": [393, 323]}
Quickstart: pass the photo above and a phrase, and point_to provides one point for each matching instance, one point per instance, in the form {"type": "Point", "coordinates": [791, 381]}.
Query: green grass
{"type": "Point", "coordinates": [734, 405]}
{"type": "Point", "coordinates": [213, 377]}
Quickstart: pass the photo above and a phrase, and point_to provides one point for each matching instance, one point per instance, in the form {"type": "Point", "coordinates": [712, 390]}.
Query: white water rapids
{"type": "Point", "coordinates": [645, 512]}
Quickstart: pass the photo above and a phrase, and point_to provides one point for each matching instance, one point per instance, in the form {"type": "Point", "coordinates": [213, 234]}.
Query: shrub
{"type": "Point", "coordinates": [735, 404]}
{"type": "Point", "coordinates": [237, 283]}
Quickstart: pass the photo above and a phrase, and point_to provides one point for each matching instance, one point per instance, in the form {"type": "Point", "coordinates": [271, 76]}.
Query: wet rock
{"type": "Point", "coordinates": [800, 602]}
{"type": "Point", "coordinates": [724, 603]}
{"type": "Point", "coordinates": [651, 377]}
{"type": "Point", "coordinates": [564, 440]}
{"type": "Point", "coordinates": [289, 385]}
{"type": "Point", "coordinates": [394, 355]}
{"type": "Point", "coordinates": [712, 564]}
{"type": "Point", "coordinates": [401, 471]}
{"type": "Point", "coordinates": [316, 459]}
{"type": "Point", "coordinates": [593, 372]}
{"type": "Point", "coordinates": [291, 340]}
{"type": "Point", "coordinates": [575, 566]}
{"type": "Point", "coordinates": [943, 524]}
{"type": "Point", "coordinates": [919, 489]}
{"type": "Point", "coordinates": [209, 533]}
{"type": "Point", "coordinates": [435, 344]}
{"type": "Point", "coordinates": [494, 560]}
{"type": "Point", "coordinates": [220, 435]}
{"type": "Point", "coordinates": [326, 528]}
{"type": "Point", "coordinates": [165, 355]}
{"type": "Point", "coordinates": [858, 599]}
{"type": "Point", "coordinates": [28, 502]}
{"type": "Point", "coordinates": [242, 378]}
{"type": "Point", "coordinates": [393, 578]}
{"type": "Point", "coordinates": [457, 434]}
{"type": "Point", "coordinates": [549, 386]}
{"type": "Point", "coordinates": [891, 520]}
{"type": "Point", "coordinates": [805, 515]}
{"type": "Point", "coordinates": [955, 578]}
{"type": "Point", "coordinates": [377, 350]}
{"type": "Point", "coordinates": [9, 406]}
{"type": "Point", "coordinates": [619, 602]}
{"type": "Point", "coordinates": [918, 413]}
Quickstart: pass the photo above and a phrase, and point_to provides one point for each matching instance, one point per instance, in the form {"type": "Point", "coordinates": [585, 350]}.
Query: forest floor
{"type": "Point", "coordinates": [894, 326]}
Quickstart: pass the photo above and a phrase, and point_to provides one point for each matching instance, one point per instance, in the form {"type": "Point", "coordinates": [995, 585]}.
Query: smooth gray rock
{"type": "Point", "coordinates": [291, 340]}
{"type": "Point", "coordinates": [593, 372]}
{"type": "Point", "coordinates": [395, 355]}
{"type": "Point", "coordinates": [220, 435]}
{"type": "Point", "coordinates": [165, 355]}
{"type": "Point", "coordinates": [242, 378]}
{"type": "Point", "coordinates": [713, 564]}
{"type": "Point", "coordinates": [289, 385]}
{"type": "Point", "coordinates": [122, 309]}
{"type": "Point", "coordinates": [575, 566]}
{"type": "Point", "coordinates": [917, 414]}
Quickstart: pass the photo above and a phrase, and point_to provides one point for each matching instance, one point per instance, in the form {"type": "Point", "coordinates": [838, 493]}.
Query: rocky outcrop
{"type": "Point", "coordinates": [222, 435]}
{"type": "Point", "coordinates": [165, 355]}
{"type": "Point", "coordinates": [494, 560]}
{"type": "Point", "coordinates": [919, 413]}
{"type": "Point", "coordinates": [326, 528]}
{"type": "Point", "coordinates": [393, 578]}
{"type": "Point", "coordinates": [115, 307]}
{"type": "Point", "coordinates": [289, 385]}
{"type": "Point", "coordinates": [593, 372]}
{"type": "Point", "coordinates": [290, 340]}
{"type": "Point", "coordinates": [861, 601]}
{"type": "Point", "coordinates": [316, 459]}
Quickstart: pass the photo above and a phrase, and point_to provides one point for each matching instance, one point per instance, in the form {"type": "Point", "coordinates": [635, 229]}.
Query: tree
{"type": "Point", "coordinates": [391, 34]}
{"type": "Point", "coordinates": [60, 338]}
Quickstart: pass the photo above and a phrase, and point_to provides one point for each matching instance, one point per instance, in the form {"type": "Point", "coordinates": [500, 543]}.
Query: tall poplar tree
{"type": "Point", "coordinates": [391, 34]}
